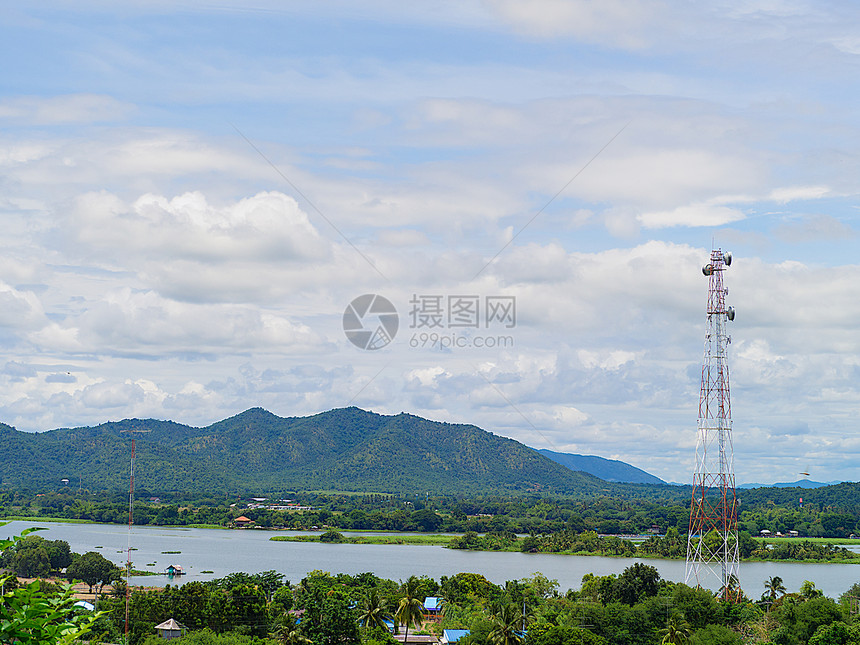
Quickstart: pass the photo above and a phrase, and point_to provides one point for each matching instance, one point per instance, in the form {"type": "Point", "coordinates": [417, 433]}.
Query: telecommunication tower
{"type": "Point", "coordinates": [132, 431]}
{"type": "Point", "coordinates": [712, 544]}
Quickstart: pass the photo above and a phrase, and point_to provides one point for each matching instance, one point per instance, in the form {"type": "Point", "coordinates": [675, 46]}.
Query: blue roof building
{"type": "Point", "coordinates": [432, 604]}
{"type": "Point", "coordinates": [453, 635]}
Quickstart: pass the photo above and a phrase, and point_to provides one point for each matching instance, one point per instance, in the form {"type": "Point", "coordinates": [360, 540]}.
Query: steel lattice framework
{"type": "Point", "coordinates": [712, 544]}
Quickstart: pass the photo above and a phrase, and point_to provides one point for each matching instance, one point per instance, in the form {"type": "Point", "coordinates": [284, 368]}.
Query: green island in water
{"type": "Point", "coordinates": [671, 546]}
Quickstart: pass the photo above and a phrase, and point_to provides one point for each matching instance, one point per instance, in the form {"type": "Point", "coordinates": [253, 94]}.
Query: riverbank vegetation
{"type": "Point", "coordinates": [833, 511]}
{"type": "Point", "coordinates": [549, 524]}
{"type": "Point", "coordinates": [636, 607]}
{"type": "Point", "coordinates": [673, 545]}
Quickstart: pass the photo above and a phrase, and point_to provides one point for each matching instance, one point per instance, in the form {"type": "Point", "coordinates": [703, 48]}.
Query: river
{"type": "Point", "coordinates": [227, 551]}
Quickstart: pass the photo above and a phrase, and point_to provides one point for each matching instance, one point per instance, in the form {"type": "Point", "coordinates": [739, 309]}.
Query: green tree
{"type": "Point", "coordinates": [800, 619]}
{"type": "Point", "coordinates": [546, 634]}
{"type": "Point", "coordinates": [329, 617]}
{"type": "Point", "coordinates": [507, 626]}
{"type": "Point", "coordinates": [638, 581]}
{"type": "Point", "coordinates": [282, 599]}
{"type": "Point", "coordinates": [410, 610]}
{"type": "Point", "coordinates": [698, 606]}
{"type": "Point", "coordinates": [374, 610]}
{"type": "Point", "coordinates": [773, 587]}
{"type": "Point", "coordinates": [716, 635]}
{"type": "Point", "coordinates": [731, 591]}
{"type": "Point", "coordinates": [837, 633]}
{"type": "Point", "coordinates": [287, 631]}
{"type": "Point", "coordinates": [248, 610]}
{"type": "Point", "coordinates": [463, 587]}
{"type": "Point", "coordinates": [31, 563]}
{"type": "Point", "coordinates": [93, 568]}
{"type": "Point", "coordinates": [59, 553]}
{"type": "Point", "coordinates": [746, 545]}
{"type": "Point", "coordinates": [676, 632]}
{"type": "Point", "coordinates": [426, 519]}
{"type": "Point", "coordinates": [808, 590]}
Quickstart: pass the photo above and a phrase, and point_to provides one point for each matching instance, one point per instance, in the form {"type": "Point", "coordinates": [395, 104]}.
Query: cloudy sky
{"type": "Point", "coordinates": [192, 194]}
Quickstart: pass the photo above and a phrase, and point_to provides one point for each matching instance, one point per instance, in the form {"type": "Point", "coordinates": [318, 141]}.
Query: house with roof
{"type": "Point", "coordinates": [242, 522]}
{"type": "Point", "coordinates": [453, 635]}
{"type": "Point", "coordinates": [174, 570]}
{"type": "Point", "coordinates": [432, 608]}
{"type": "Point", "coordinates": [170, 629]}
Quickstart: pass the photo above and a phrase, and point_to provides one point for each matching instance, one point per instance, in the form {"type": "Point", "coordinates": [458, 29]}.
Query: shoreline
{"type": "Point", "coordinates": [385, 537]}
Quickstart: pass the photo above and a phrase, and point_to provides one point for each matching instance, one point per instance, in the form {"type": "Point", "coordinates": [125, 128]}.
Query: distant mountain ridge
{"type": "Point", "coordinates": [610, 470]}
{"type": "Point", "coordinates": [800, 483]}
{"type": "Point", "coordinates": [345, 449]}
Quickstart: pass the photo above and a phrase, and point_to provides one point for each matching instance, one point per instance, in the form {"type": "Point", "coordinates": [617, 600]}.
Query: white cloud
{"type": "Point", "coordinates": [72, 108]}
{"type": "Point", "coordinates": [268, 227]}
{"type": "Point", "coordinates": [19, 310]}
{"type": "Point", "coordinates": [611, 21]}
{"type": "Point", "coordinates": [709, 215]}
{"type": "Point", "coordinates": [792, 193]}
{"type": "Point", "coordinates": [155, 264]}
{"type": "Point", "coordinates": [126, 321]}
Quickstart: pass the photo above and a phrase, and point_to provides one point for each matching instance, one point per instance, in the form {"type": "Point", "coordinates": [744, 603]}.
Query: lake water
{"type": "Point", "coordinates": [228, 551]}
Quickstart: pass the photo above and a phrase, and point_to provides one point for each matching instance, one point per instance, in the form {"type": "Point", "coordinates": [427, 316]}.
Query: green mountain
{"type": "Point", "coordinates": [345, 449]}
{"type": "Point", "coordinates": [611, 470]}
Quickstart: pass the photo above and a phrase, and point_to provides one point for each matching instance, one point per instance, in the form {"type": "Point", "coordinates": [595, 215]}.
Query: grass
{"type": "Point", "coordinates": [40, 518]}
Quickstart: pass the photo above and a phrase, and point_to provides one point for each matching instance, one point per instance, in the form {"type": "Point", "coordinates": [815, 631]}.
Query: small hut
{"type": "Point", "coordinates": [169, 629]}
{"type": "Point", "coordinates": [174, 570]}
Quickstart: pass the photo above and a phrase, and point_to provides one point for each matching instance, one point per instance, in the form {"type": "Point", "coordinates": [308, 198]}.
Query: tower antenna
{"type": "Point", "coordinates": [130, 524]}
{"type": "Point", "coordinates": [128, 546]}
{"type": "Point", "coordinates": [712, 544]}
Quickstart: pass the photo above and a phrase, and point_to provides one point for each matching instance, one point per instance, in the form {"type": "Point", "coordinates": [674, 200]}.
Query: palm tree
{"type": "Point", "coordinates": [773, 586]}
{"type": "Point", "coordinates": [374, 611]}
{"type": "Point", "coordinates": [410, 610]}
{"type": "Point", "coordinates": [677, 631]}
{"type": "Point", "coordinates": [731, 591]}
{"type": "Point", "coordinates": [507, 623]}
{"type": "Point", "coordinates": [287, 632]}
{"type": "Point", "coordinates": [119, 588]}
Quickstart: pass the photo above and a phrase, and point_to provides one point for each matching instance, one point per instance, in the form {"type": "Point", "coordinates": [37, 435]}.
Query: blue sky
{"type": "Point", "coordinates": [192, 194]}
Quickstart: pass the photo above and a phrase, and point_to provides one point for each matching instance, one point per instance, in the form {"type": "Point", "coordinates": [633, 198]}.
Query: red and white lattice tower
{"type": "Point", "coordinates": [712, 544]}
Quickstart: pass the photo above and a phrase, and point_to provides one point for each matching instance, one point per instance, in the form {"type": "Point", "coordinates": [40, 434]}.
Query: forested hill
{"type": "Point", "coordinates": [611, 470]}
{"type": "Point", "coordinates": [256, 451]}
